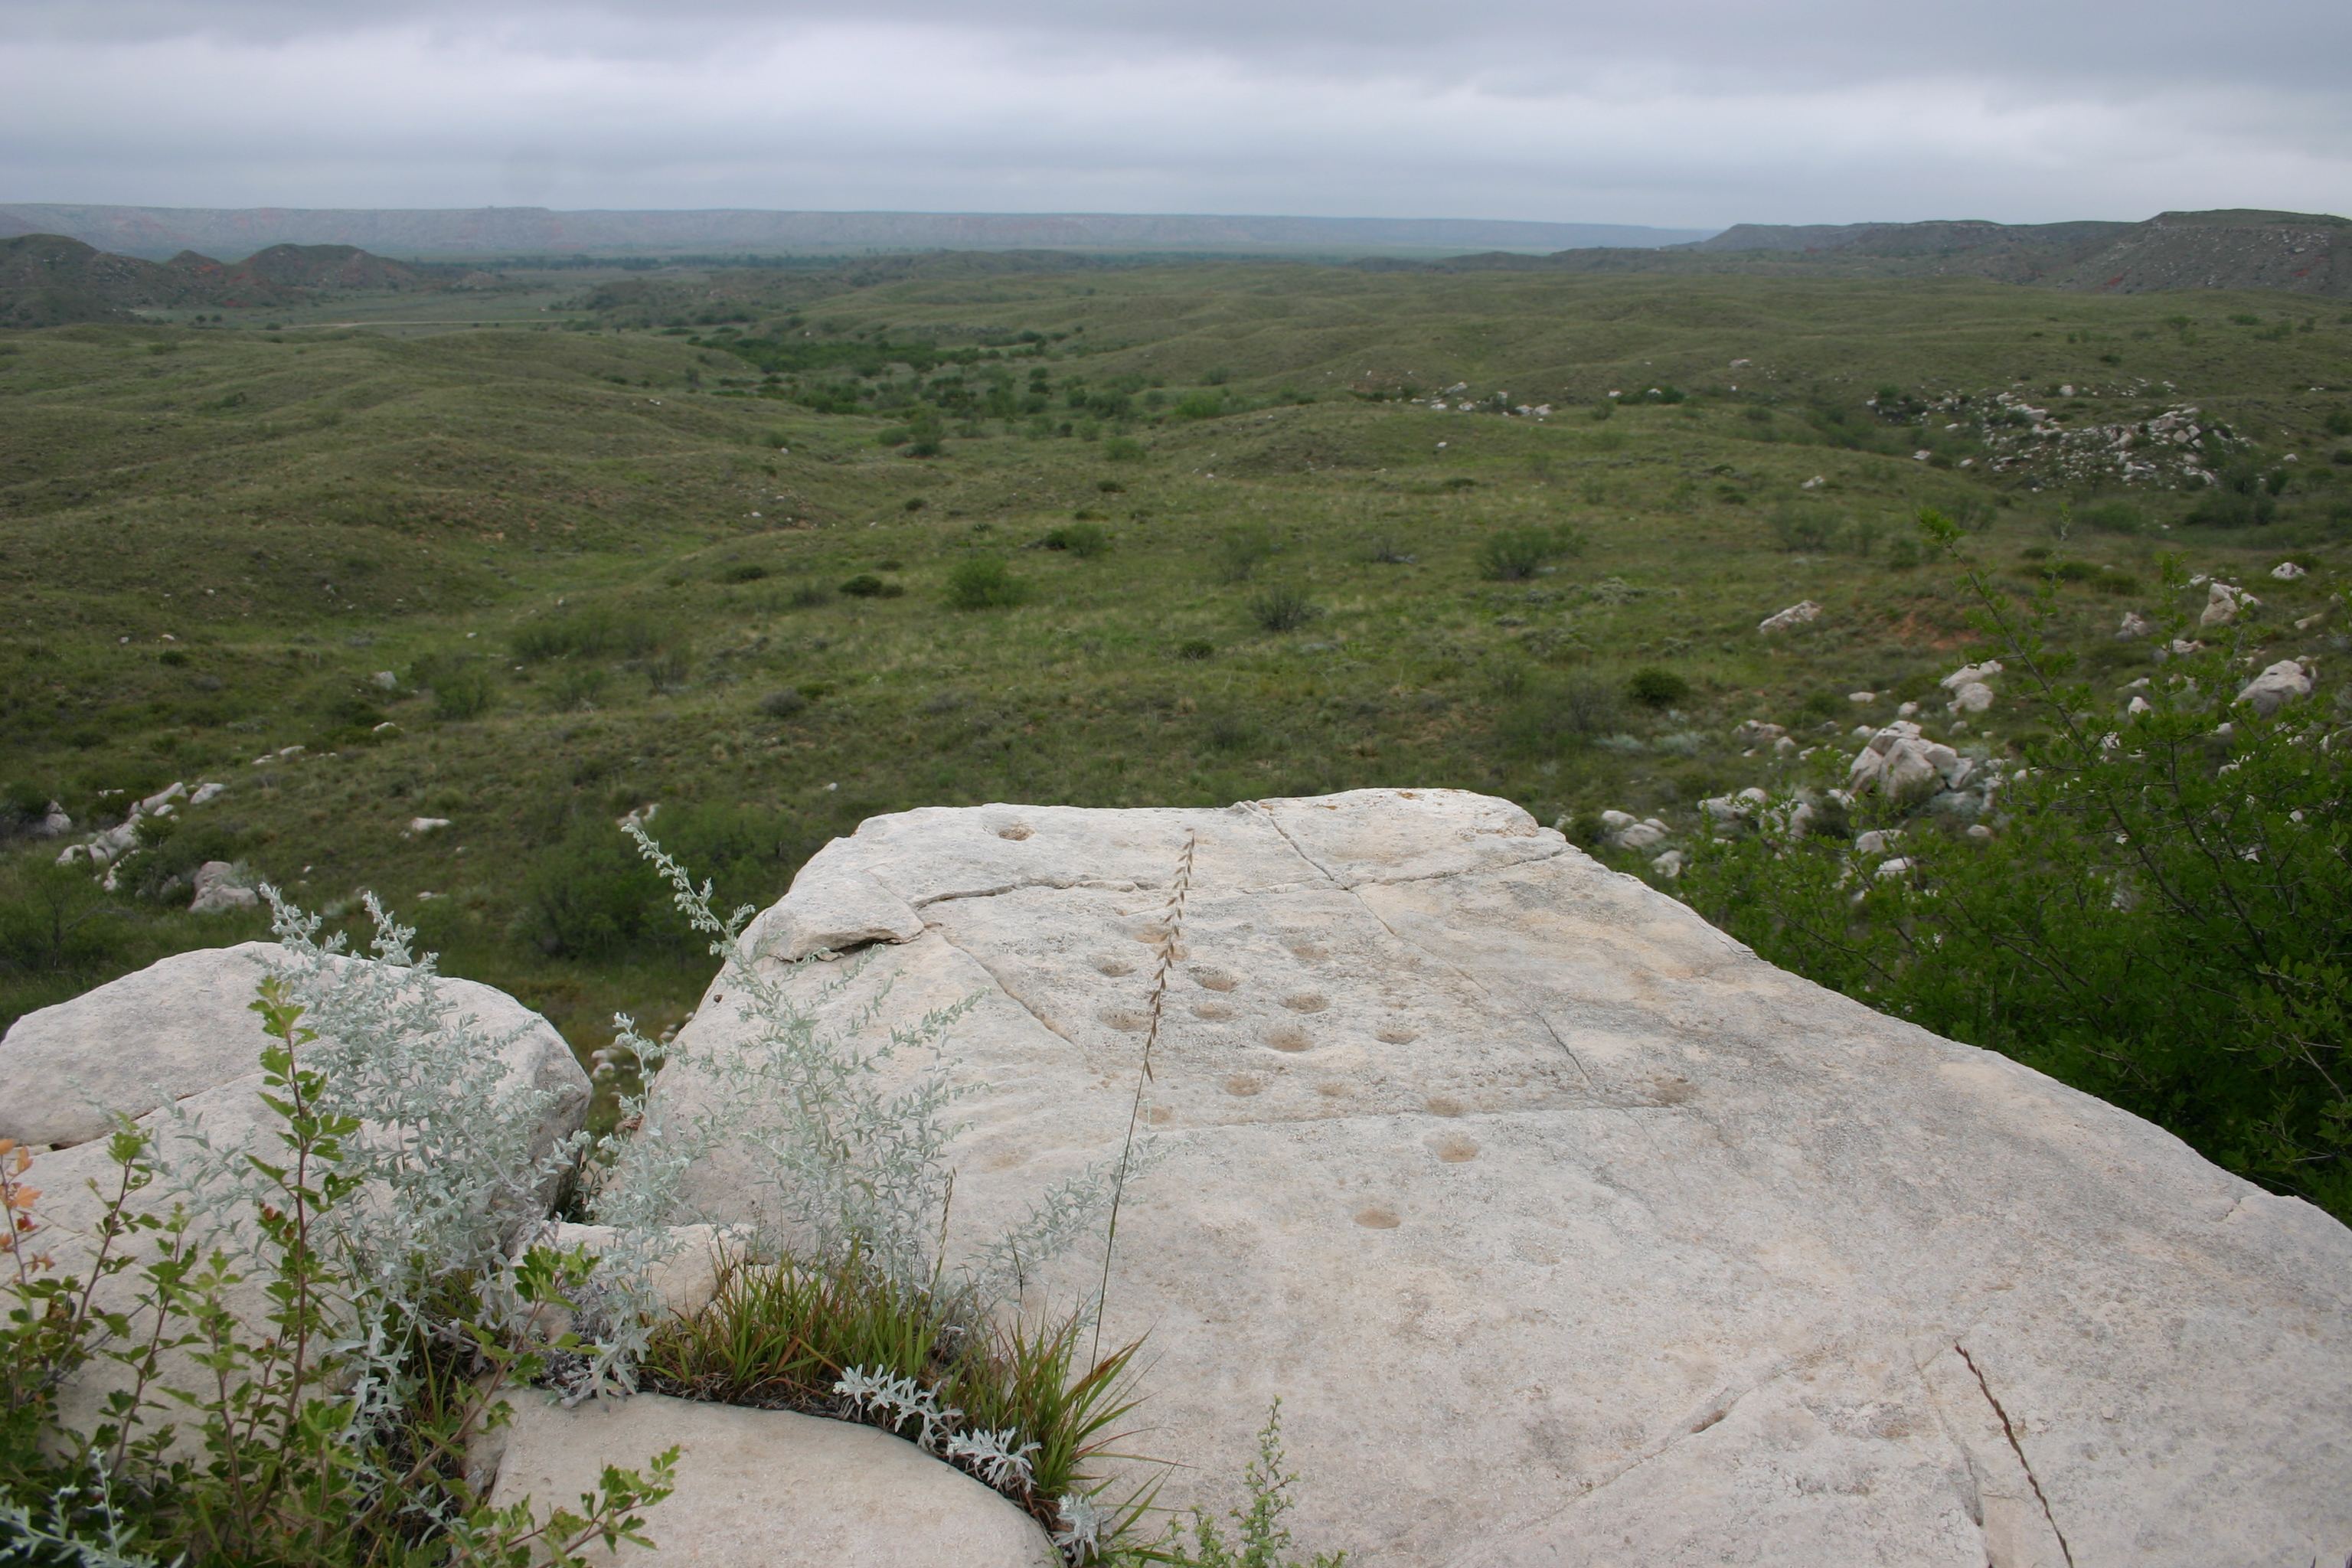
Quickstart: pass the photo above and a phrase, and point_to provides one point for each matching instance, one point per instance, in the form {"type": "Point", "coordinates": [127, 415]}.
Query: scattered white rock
{"type": "Point", "coordinates": [1794, 615]}
{"type": "Point", "coordinates": [427, 823]}
{"type": "Point", "coordinates": [2281, 683]}
{"type": "Point", "coordinates": [1755, 733]}
{"type": "Point", "coordinates": [1895, 868]}
{"type": "Point", "coordinates": [2138, 704]}
{"type": "Point", "coordinates": [1862, 696]}
{"type": "Point", "coordinates": [1736, 1269]}
{"type": "Point", "coordinates": [385, 680]}
{"type": "Point", "coordinates": [2224, 604]}
{"type": "Point", "coordinates": [1970, 675]}
{"type": "Point", "coordinates": [1668, 865]}
{"type": "Point", "coordinates": [1973, 698]}
{"type": "Point", "coordinates": [1617, 821]}
{"type": "Point", "coordinates": [54, 824]}
{"type": "Point", "coordinates": [1907, 710]}
{"type": "Point", "coordinates": [1643, 833]}
{"type": "Point", "coordinates": [223, 885]}
{"type": "Point", "coordinates": [764, 1488]}
{"type": "Point", "coordinates": [1876, 840]}
{"type": "Point", "coordinates": [1783, 746]}
{"type": "Point", "coordinates": [2183, 647]}
{"type": "Point", "coordinates": [2307, 622]}
{"type": "Point", "coordinates": [1980, 832]}
{"type": "Point", "coordinates": [206, 794]}
{"type": "Point", "coordinates": [2134, 624]}
{"type": "Point", "coordinates": [2286, 572]}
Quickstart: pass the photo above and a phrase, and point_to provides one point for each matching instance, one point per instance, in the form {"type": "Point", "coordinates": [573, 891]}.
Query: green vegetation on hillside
{"type": "Point", "coordinates": [775, 552]}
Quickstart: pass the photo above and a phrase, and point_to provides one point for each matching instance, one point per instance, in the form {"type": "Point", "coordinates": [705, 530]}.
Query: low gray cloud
{"type": "Point", "coordinates": [1703, 113]}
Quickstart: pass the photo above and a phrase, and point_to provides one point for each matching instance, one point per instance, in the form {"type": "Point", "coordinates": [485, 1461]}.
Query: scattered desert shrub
{"type": "Point", "coordinates": [1240, 550]}
{"type": "Point", "coordinates": [591, 633]}
{"type": "Point", "coordinates": [1196, 648]}
{"type": "Point", "coordinates": [1547, 718]}
{"type": "Point", "coordinates": [1087, 540]}
{"type": "Point", "coordinates": [1282, 609]}
{"type": "Point", "coordinates": [866, 585]}
{"type": "Point", "coordinates": [1655, 688]}
{"type": "Point", "coordinates": [1520, 554]}
{"type": "Point", "coordinates": [984, 583]}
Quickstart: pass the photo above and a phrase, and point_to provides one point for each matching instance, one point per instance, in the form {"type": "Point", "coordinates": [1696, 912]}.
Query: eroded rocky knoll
{"type": "Point", "coordinates": [1570, 1231]}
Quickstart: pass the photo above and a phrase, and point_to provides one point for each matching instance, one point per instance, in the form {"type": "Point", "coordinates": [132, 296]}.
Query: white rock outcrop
{"type": "Point", "coordinates": [1794, 615]}
{"type": "Point", "coordinates": [221, 886]}
{"type": "Point", "coordinates": [2224, 604]}
{"type": "Point", "coordinates": [764, 1488]}
{"type": "Point", "coordinates": [1571, 1231]}
{"type": "Point", "coordinates": [2134, 624]}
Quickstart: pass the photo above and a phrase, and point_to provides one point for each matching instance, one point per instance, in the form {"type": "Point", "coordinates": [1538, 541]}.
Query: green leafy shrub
{"type": "Point", "coordinates": [591, 896]}
{"type": "Point", "coordinates": [866, 585]}
{"type": "Point", "coordinates": [1200, 406]}
{"type": "Point", "coordinates": [461, 691]}
{"type": "Point", "coordinates": [782, 704]}
{"type": "Point", "coordinates": [1263, 1540]}
{"type": "Point", "coordinates": [984, 583]}
{"type": "Point", "coordinates": [1196, 648]}
{"type": "Point", "coordinates": [1086, 539]}
{"type": "Point", "coordinates": [1655, 688]}
{"type": "Point", "coordinates": [1124, 449]}
{"type": "Point", "coordinates": [744, 571]}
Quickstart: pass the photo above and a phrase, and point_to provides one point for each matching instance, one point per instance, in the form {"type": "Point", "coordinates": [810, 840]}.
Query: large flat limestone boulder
{"type": "Point", "coordinates": [1570, 1231]}
{"type": "Point", "coordinates": [765, 1489]}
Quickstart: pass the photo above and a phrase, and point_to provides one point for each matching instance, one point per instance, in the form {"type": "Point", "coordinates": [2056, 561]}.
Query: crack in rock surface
{"type": "Point", "coordinates": [1568, 1230]}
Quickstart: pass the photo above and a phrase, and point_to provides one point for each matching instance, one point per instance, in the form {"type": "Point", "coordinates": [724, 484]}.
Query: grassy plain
{"type": "Point", "coordinates": [600, 559]}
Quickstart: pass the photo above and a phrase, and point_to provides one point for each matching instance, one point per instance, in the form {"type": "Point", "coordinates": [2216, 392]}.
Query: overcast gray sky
{"type": "Point", "coordinates": [1695, 113]}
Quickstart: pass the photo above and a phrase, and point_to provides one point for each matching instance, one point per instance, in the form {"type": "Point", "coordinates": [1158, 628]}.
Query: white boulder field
{"type": "Point", "coordinates": [1567, 1229]}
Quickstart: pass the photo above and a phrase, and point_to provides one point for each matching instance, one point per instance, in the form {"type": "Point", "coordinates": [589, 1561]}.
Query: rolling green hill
{"type": "Point", "coordinates": [698, 542]}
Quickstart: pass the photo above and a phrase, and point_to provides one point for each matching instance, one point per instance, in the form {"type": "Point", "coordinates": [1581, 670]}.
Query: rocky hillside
{"type": "Point", "coordinates": [48, 280]}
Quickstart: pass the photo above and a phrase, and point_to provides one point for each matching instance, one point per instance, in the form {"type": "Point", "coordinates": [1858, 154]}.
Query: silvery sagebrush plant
{"type": "Point", "coordinates": [310, 1332]}
{"type": "Point", "coordinates": [841, 1160]}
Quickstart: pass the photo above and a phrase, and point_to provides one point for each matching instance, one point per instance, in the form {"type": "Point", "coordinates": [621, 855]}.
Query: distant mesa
{"type": "Point", "coordinates": [50, 279]}
{"type": "Point", "coordinates": [157, 232]}
{"type": "Point", "coordinates": [2303, 253]}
